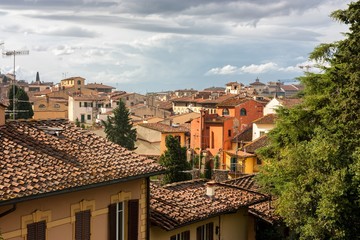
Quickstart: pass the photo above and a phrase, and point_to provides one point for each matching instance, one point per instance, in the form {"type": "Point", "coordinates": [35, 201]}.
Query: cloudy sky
{"type": "Point", "coordinates": [154, 45]}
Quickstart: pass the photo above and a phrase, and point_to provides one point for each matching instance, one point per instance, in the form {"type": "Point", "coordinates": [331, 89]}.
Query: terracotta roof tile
{"type": "Point", "coordinates": [265, 209]}
{"type": "Point", "coordinates": [164, 128]}
{"type": "Point", "coordinates": [179, 204]}
{"type": "Point", "coordinates": [267, 119]}
{"type": "Point", "coordinates": [244, 135]}
{"type": "Point", "coordinates": [256, 144]}
{"type": "Point", "coordinates": [35, 160]}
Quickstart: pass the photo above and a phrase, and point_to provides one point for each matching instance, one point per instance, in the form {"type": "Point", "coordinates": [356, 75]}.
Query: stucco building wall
{"type": "Point", "coordinates": [59, 211]}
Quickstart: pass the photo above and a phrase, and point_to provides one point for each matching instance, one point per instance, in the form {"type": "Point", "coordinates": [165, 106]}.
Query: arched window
{"type": "Point", "coordinates": [225, 112]}
{"type": "Point", "coordinates": [42, 106]}
{"type": "Point", "coordinates": [243, 112]}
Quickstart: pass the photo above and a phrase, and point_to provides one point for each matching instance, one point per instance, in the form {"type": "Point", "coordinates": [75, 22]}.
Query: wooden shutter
{"type": "Point", "coordinates": [210, 231]}
{"type": "Point", "coordinates": [186, 235]}
{"type": "Point", "coordinates": [36, 231]}
{"type": "Point", "coordinates": [82, 225]}
{"type": "Point", "coordinates": [112, 221]}
{"type": "Point", "coordinates": [199, 234]}
{"type": "Point", "coordinates": [133, 219]}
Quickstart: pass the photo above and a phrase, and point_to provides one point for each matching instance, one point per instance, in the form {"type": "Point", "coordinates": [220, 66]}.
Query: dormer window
{"type": "Point", "coordinates": [225, 112]}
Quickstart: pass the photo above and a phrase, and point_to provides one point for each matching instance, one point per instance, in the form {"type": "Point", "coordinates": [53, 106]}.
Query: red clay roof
{"type": "Point", "coordinates": [267, 119]}
{"type": "Point", "coordinates": [164, 128]}
{"type": "Point", "coordinates": [256, 144]}
{"type": "Point", "coordinates": [35, 162]}
{"type": "Point", "coordinates": [290, 102]}
{"type": "Point", "coordinates": [244, 135]}
{"type": "Point", "coordinates": [98, 86]}
{"type": "Point", "coordinates": [265, 209]}
{"type": "Point", "coordinates": [179, 204]}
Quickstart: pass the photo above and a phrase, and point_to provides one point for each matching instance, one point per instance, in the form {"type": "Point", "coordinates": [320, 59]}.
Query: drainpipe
{"type": "Point", "coordinates": [13, 208]}
{"type": "Point", "coordinates": [147, 208]}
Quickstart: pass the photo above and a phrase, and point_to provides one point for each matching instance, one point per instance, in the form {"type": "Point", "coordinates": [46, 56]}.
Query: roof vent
{"type": "Point", "coordinates": [51, 130]}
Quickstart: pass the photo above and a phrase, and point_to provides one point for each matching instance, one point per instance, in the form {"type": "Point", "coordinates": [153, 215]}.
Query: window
{"type": "Point", "coordinates": [79, 82]}
{"type": "Point", "coordinates": [79, 104]}
{"type": "Point", "coordinates": [233, 164]}
{"type": "Point", "coordinates": [82, 225]}
{"type": "Point", "coordinates": [117, 220]}
{"type": "Point", "coordinates": [225, 112]}
{"type": "Point", "coordinates": [42, 106]}
{"type": "Point", "coordinates": [85, 104]}
{"type": "Point", "coordinates": [205, 232]}
{"type": "Point", "coordinates": [243, 112]}
{"type": "Point", "coordinates": [229, 133]}
{"type": "Point", "coordinates": [56, 105]}
{"type": "Point", "coordinates": [82, 118]}
{"type": "Point", "coordinates": [88, 117]}
{"type": "Point", "coordinates": [181, 236]}
{"type": "Point", "coordinates": [36, 231]}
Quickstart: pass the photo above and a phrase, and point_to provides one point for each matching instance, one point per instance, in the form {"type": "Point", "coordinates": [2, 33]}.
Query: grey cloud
{"type": "Point", "coordinates": [70, 32]}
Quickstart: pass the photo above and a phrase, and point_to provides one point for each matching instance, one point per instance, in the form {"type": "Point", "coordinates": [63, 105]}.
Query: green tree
{"type": "Point", "coordinates": [313, 162]}
{"type": "Point", "coordinates": [208, 169]}
{"type": "Point", "coordinates": [119, 128]}
{"type": "Point", "coordinates": [174, 159]}
{"type": "Point", "coordinates": [23, 108]}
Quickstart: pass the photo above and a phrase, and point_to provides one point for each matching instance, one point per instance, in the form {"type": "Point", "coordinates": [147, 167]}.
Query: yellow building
{"type": "Point", "coordinates": [58, 182]}
{"type": "Point", "coordinates": [151, 137]}
{"type": "Point", "coordinates": [198, 209]}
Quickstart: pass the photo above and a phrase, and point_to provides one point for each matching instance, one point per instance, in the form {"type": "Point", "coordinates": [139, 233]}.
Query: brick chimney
{"type": "Point", "coordinates": [2, 114]}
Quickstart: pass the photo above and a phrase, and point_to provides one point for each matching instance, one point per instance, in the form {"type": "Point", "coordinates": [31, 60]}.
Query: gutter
{"type": "Point", "coordinates": [79, 188]}
{"type": "Point", "coordinates": [12, 209]}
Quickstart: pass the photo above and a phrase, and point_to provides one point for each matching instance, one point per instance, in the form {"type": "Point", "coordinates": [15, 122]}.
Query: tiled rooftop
{"type": "Point", "coordinates": [256, 144]}
{"type": "Point", "coordinates": [164, 128]}
{"type": "Point", "coordinates": [179, 204]}
{"type": "Point", "coordinates": [290, 102]}
{"type": "Point", "coordinates": [264, 210]}
{"type": "Point", "coordinates": [35, 160]}
{"type": "Point", "coordinates": [267, 119]}
{"type": "Point", "coordinates": [244, 135]}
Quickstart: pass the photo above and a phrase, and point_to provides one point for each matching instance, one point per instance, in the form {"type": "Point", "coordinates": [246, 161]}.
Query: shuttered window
{"type": "Point", "coordinates": [36, 231]}
{"type": "Point", "coordinates": [181, 236]}
{"type": "Point", "coordinates": [82, 225]}
{"type": "Point", "coordinates": [205, 232]}
{"type": "Point", "coordinates": [117, 220]}
{"type": "Point", "coordinates": [133, 219]}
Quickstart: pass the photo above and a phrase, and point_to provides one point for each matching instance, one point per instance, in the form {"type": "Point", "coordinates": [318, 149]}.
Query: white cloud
{"type": "Point", "coordinates": [263, 68]}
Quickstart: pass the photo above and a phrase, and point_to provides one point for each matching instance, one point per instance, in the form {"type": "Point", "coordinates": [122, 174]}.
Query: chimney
{"type": "Point", "coordinates": [210, 189]}
{"type": "Point", "coordinates": [2, 114]}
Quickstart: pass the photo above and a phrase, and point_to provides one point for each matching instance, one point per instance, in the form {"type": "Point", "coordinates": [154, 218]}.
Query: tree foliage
{"type": "Point", "coordinates": [174, 159]}
{"type": "Point", "coordinates": [119, 128]}
{"type": "Point", "coordinates": [23, 108]}
{"type": "Point", "coordinates": [313, 162]}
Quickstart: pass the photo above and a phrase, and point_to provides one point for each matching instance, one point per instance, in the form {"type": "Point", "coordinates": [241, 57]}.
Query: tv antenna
{"type": "Point", "coordinates": [8, 54]}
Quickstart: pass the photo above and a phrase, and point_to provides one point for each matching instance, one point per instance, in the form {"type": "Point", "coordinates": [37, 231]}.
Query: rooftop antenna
{"type": "Point", "coordinates": [14, 53]}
